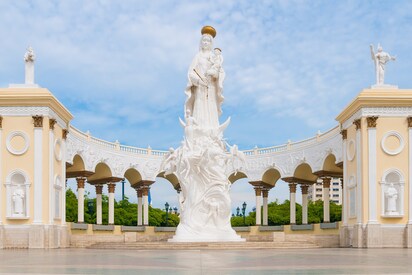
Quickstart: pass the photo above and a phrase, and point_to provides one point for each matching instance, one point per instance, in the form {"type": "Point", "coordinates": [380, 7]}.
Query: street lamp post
{"type": "Point", "coordinates": [237, 211]}
{"type": "Point", "coordinates": [244, 212]}
{"type": "Point", "coordinates": [167, 212]}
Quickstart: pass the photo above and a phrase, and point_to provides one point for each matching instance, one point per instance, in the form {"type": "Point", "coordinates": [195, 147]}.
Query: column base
{"type": "Point", "coordinates": [373, 236]}
{"type": "Point", "coordinates": [409, 236]}
{"type": "Point", "coordinates": [357, 236]}
{"type": "Point", "coordinates": [344, 236]}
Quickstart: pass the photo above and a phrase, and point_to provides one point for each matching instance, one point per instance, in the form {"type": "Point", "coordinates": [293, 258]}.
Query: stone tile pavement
{"type": "Point", "coordinates": [267, 261]}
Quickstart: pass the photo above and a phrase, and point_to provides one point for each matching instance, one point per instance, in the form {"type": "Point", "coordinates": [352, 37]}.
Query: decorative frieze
{"type": "Point", "coordinates": [52, 122]}
{"type": "Point", "coordinates": [358, 123]}
{"type": "Point", "coordinates": [371, 120]}
{"type": "Point", "coordinates": [38, 121]}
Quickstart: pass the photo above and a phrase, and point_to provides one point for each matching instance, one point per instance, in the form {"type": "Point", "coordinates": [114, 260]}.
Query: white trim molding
{"type": "Point", "coordinates": [372, 219]}
{"type": "Point", "coordinates": [351, 146]}
{"type": "Point", "coordinates": [394, 151]}
{"type": "Point", "coordinates": [10, 147]}
{"type": "Point", "coordinates": [38, 176]}
{"type": "Point", "coordinates": [378, 111]}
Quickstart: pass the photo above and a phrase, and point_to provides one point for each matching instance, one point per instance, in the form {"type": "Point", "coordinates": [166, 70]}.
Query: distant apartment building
{"type": "Point", "coordinates": [315, 192]}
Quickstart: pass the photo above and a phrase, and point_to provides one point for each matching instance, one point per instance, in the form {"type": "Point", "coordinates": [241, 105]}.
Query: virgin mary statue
{"type": "Point", "coordinates": [201, 162]}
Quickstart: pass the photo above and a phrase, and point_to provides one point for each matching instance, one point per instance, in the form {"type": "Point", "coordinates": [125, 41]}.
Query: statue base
{"type": "Point", "coordinates": [207, 235]}
{"type": "Point", "coordinates": [384, 87]}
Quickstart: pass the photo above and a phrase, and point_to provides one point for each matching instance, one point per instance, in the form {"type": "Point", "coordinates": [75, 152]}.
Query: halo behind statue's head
{"type": "Point", "coordinates": [209, 30]}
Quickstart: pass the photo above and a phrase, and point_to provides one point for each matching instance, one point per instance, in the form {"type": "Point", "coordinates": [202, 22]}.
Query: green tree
{"type": "Point", "coordinates": [71, 206]}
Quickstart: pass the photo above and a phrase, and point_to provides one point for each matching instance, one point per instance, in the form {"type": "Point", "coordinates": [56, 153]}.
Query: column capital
{"type": "Point", "coordinates": [265, 192]}
{"type": "Point", "coordinates": [111, 186]}
{"type": "Point", "coordinates": [99, 189]}
{"type": "Point", "coordinates": [344, 134]}
{"type": "Point", "coordinates": [258, 190]}
{"type": "Point", "coordinates": [52, 122]}
{"type": "Point", "coordinates": [304, 188]}
{"type": "Point", "coordinates": [409, 119]}
{"type": "Point", "coordinates": [64, 133]}
{"type": "Point", "coordinates": [292, 187]}
{"type": "Point", "coordinates": [358, 123]}
{"type": "Point", "coordinates": [341, 182]}
{"type": "Point", "coordinates": [139, 192]}
{"type": "Point", "coordinates": [38, 121]}
{"type": "Point", "coordinates": [80, 182]}
{"type": "Point", "coordinates": [372, 121]}
{"type": "Point", "coordinates": [145, 190]}
{"type": "Point", "coordinates": [326, 182]}
{"type": "Point", "coordinates": [1, 122]}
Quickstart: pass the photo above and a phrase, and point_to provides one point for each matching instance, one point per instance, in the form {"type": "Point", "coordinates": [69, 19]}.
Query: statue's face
{"type": "Point", "coordinates": [206, 42]}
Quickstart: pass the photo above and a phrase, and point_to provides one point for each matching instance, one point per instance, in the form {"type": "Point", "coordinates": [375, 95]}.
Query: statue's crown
{"type": "Point", "coordinates": [209, 30]}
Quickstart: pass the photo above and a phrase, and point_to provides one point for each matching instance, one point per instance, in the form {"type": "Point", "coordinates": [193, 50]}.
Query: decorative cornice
{"type": "Point", "coordinates": [371, 120]}
{"type": "Point", "coordinates": [409, 119]}
{"type": "Point", "coordinates": [358, 123]}
{"type": "Point", "coordinates": [31, 111]}
{"type": "Point", "coordinates": [38, 121]}
{"type": "Point", "coordinates": [344, 134]}
{"type": "Point", "coordinates": [378, 111]}
{"type": "Point", "coordinates": [52, 122]}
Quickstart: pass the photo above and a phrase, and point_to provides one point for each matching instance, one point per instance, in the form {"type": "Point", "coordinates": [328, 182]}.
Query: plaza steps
{"type": "Point", "coordinates": [203, 245]}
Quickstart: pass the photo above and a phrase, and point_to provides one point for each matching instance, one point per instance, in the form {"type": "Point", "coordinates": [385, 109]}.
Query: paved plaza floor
{"type": "Point", "coordinates": [271, 261]}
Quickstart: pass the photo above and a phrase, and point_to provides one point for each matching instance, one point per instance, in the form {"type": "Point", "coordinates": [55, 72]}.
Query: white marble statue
{"type": "Point", "coordinates": [29, 59]}
{"type": "Point", "coordinates": [18, 201]}
{"type": "Point", "coordinates": [380, 58]}
{"type": "Point", "coordinates": [200, 162]}
{"type": "Point", "coordinates": [391, 194]}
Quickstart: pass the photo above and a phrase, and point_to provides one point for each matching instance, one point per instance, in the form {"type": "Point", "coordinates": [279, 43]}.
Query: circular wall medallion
{"type": "Point", "coordinates": [351, 150]}
{"type": "Point", "coordinates": [17, 143]}
{"type": "Point", "coordinates": [58, 149]}
{"type": "Point", "coordinates": [392, 143]}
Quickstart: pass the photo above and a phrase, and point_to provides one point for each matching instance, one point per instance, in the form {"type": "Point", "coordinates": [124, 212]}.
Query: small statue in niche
{"type": "Point", "coordinates": [391, 196]}
{"type": "Point", "coordinates": [18, 201]}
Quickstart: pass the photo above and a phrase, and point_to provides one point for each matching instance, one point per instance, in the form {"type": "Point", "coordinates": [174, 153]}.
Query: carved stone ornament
{"type": "Point", "coordinates": [52, 122]}
{"type": "Point", "coordinates": [358, 123]}
{"type": "Point", "coordinates": [409, 122]}
{"type": "Point", "coordinates": [372, 121]}
{"type": "Point", "coordinates": [99, 189]}
{"type": "Point", "coordinates": [38, 121]}
{"type": "Point", "coordinates": [64, 133]}
{"type": "Point", "coordinates": [344, 134]}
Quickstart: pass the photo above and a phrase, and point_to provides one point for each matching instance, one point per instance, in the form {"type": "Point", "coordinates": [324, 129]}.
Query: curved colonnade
{"type": "Point", "coordinates": [99, 162]}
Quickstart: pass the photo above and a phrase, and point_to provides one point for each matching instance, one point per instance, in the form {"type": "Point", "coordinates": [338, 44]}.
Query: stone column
{"type": "Point", "coordinates": [99, 191]}
{"type": "Point", "coordinates": [1, 148]}
{"type": "Point", "coordinates": [38, 169]}
{"type": "Point", "coordinates": [359, 183]}
{"type": "Point", "coordinates": [80, 199]}
{"type": "Point", "coordinates": [409, 226]}
{"type": "Point", "coordinates": [139, 192]}
{"type": "Point", "coordinates": [344, 202]}
{"type": "Point", "coordinates": [63, 150]}
{"type": "Point", "coordinates": [52, 190]}
{"type": "Point", "coordinates": [345, 195]}
{"type": "Point", "coordinates": [292, 189]}
{"type": "Point", "coordinates": [258, 193]}
{"type": "Point", "coordinates": [265, 193]}
{"type": "Point", "coordinates": [372, 198]}
{"type": "Point", "coordinates": [304, 189]}
{"type": "Point", "coordinates": [111, 187]}
{"type": "Point", "coordinates": [326, 194]}
{"type": "Point", "coordinates": [145, 197]}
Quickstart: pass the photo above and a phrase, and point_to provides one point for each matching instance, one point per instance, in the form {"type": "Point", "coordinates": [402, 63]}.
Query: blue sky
{"type": "Point", "coordinates": [120, 66]}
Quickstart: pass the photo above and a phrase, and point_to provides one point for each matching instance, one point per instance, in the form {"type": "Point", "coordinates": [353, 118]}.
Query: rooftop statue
{"type": "Point", "coordinates": [380, 58]}
{"type": "Point", "coordinates": [200, 163]}
{"type": "Point", "coordinates": [29, 58]}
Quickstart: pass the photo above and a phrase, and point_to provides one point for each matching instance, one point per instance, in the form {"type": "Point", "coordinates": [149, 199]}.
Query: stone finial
{"type": "Point", "coordinates": [358, 123]}
{"type": "Point", "coordinates": [38, 121]}
{"type": "Point", "coordinates": [344, 134]}
{"type": "Point", "coordinates": [29, 58]}
{"type": "Point", "coordinates": [409, 119]}
{"type": "Point", "coordinates": [64, 133]}
{"type": "Point", "coordinates": [52, 122]}
{"type": "Point", "coordinates": [371, 120]}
